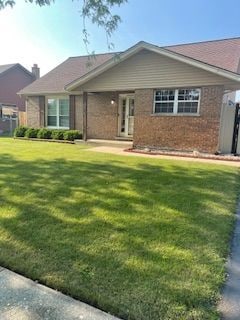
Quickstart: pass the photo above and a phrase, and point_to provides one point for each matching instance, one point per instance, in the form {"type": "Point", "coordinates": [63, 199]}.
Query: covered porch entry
{"type": "Point", "coordinates": [108, 115]}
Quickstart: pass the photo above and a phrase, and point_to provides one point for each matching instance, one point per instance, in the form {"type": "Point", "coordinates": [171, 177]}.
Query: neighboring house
{"type": "Point", "coordinates": [159, 97]}
{"type": "Point", "coordinates": [14, 77]}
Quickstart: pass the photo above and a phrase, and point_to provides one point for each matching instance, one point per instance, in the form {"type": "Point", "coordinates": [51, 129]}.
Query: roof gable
{"type": "Point", "coordinates": [6, 67]}
{"type": "Point", "coordinates": [162, 51]}
{"type": "Point", "coordinates": [9, 67]}
{"type": "Point", "coordinates": [146, 70]}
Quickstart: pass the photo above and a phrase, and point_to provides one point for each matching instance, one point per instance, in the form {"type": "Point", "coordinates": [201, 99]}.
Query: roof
{"type": "Point", "coordinates": [71, 69]}
{"type": "Point", "coordinates": [7, 67]}
{"type": "Point", "coordinates": [223, 54]}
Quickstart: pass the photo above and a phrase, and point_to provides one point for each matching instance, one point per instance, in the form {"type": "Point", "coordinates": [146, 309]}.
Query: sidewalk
{"type": "Point", "coordinates": [229, 306]}
{"type": "Point", "coordinates": [23, 299]}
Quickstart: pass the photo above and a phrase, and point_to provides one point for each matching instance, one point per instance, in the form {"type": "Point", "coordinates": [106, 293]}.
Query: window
{"type": "Point", "coordinates": [164, 101]}
{"type": "Point", "coordinates": [188, 100]}
{"type": "Point", "coordinates": [177, 101]}
{"type": "Point", "coordinates": [57, 114]}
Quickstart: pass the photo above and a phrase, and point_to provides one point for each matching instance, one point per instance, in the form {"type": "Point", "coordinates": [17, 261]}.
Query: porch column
{"type": "Point", "coordinates": [72, 112]}
{"type": "Point", "coordinates": [85, 105]}
{"type": "Point", "coordinates": [42, 111]}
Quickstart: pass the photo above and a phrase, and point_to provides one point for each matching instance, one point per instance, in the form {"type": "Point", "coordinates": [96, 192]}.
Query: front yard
{"type": "Point", "coordinates": [140, 238]}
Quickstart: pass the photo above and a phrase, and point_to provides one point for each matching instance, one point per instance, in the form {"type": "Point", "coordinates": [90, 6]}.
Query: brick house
{"type": "Point", "coordinates": [14, 77]}
{"type": "Point", "coordinates": [160, 97]}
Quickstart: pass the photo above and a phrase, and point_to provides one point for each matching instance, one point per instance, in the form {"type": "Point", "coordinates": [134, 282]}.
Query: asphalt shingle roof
{"type": "Point", "coordinates": [66, 72]}
{"type": "Point", "coordinates": [224, 54]}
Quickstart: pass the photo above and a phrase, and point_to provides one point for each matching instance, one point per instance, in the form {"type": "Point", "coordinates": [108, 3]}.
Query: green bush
{"type": "Point", "coordinates": [58, 134]}
{"type": "Point", "coordinates": [20, 131]}
{"type": "Point", "coordinates": [31, 133]}
{"type": "Point", "coordinates": [44, 133]}
{"type": "Point", "coordinates": [71, 135]}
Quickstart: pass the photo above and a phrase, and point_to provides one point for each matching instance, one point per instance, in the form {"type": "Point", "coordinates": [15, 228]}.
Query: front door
{"type": "Point", "coordinates": [126, 115]}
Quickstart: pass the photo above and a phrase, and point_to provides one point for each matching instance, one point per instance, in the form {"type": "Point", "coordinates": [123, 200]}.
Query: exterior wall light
{"type": "Point", "coordinates": [112, 101]}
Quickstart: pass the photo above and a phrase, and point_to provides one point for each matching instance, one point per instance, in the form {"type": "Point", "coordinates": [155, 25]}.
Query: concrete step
{"type": "Point", "coordinates": [109, 143]}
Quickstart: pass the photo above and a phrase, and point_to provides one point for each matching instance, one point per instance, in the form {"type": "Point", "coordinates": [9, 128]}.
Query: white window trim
{"type": "Point", "coordinates": [175, 105]}
{"type": "Point", "coordinates": [57, 115]}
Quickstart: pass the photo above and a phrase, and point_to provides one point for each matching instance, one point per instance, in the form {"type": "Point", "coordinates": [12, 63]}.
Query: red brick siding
{"type": "Point", "coordinates": [179, 132]}
{"type": "Point", "coordinates": [33, 112]}
{"type": "Point", "coordinates": [102, 116]}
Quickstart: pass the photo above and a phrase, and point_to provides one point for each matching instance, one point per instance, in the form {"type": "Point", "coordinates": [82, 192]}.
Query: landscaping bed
{"type": "Point", "coordinates": [45, 134]}
{"type": "Point", "coordinates": [143, 239]}
{"type": "Point", "coordinates": [194, 154]}
{"type": "Point", "coordinates": [45, 140]}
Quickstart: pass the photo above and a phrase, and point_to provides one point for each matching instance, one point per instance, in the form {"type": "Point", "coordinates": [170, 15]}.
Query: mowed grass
{"type": "Point", "coordinates": [137, 237]}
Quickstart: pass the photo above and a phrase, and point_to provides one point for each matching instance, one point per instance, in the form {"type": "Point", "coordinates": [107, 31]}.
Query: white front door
{"type": "Point", "coordinates": [126, 115]}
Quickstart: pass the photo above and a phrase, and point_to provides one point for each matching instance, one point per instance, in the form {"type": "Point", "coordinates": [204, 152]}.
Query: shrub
{"type": "Point", "coordinates": [44, 133]}
{"type": "Point", "coordinates": [20, 131]}
{"type": "Point", "coordinates": [58, 134]}
{"type": "Point", "coordinates": [72, 135]}
{"type": "Point", "coordinates": [31, 133]}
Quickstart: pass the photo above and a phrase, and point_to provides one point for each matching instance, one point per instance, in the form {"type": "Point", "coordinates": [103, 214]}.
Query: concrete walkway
{"type": "Point", "coordinates": [230, 304]}
{"type": "Point", "coordinates": [120, 151]}
{"type": "Point", "coordinates": [23, 299]}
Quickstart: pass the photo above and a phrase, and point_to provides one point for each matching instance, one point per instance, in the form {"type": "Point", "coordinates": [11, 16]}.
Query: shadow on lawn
{"type": "Point", "coordinates": [138, 241]}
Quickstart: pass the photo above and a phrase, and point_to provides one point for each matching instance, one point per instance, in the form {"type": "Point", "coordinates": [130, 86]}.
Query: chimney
{"type": "Point", "coordinates": [36, 71]}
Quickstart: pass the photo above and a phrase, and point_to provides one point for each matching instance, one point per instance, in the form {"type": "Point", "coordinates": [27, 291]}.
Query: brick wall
{"type": "Point", "coordinates": [179, 132]}
{"type": "Point", "coordinates": [33, 112]}
{"type": "Point", "coordinates": [102, 116]}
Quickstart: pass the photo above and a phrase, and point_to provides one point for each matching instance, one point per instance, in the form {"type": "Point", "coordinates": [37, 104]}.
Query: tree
{"type": "Point", "coordinates": [97, 11]}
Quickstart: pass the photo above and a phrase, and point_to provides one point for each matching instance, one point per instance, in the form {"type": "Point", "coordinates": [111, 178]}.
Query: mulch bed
{"type": "Point", "coordinates": [227, 157]}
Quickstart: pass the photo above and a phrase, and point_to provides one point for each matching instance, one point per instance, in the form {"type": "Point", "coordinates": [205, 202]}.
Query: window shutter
{"type": "Point", "coordinates": [72, 112]}
{"type": "Point", "coordinates": [42, 111]}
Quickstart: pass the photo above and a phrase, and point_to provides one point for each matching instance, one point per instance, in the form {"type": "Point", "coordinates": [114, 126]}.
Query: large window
{"type": "Point", "coordinates": [177, 101]}
{"type": "Point", "coordinates": [57, 113]}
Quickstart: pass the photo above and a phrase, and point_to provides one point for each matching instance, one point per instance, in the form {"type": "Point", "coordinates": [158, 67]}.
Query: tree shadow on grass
{"type": "Point", "coordinates": [143, 242]}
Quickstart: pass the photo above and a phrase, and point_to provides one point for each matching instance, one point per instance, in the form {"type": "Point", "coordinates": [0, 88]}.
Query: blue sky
{"type": "Point", "coordinates": [49, 35]}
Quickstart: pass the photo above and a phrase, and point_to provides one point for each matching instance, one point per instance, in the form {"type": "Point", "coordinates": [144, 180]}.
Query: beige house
{"type": "Point", "coordinates": [158, 97]}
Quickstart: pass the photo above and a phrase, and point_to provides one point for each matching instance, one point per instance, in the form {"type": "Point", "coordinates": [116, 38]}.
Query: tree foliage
{"type": "Point", "coordinates": [99, 12]}
{"type": "Point", "coordinates": [11, 3]}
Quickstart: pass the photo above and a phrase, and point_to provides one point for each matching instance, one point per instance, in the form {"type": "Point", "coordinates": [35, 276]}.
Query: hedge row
{"type": "Point", "coordinates": [45, 133]}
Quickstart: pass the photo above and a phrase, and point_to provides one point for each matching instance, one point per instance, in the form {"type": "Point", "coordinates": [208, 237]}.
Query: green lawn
{"type": "Point", "coordinates": [139, 238]}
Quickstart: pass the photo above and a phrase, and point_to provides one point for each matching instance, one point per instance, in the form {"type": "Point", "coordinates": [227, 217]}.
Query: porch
{"type": "Point", "coordinates": [108, 118]}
